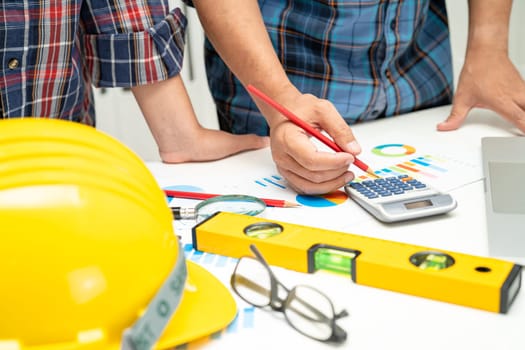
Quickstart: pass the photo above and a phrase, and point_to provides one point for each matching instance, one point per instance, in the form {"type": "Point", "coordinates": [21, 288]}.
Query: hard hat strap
{"type": "Point", "coordinates": [146, 331]}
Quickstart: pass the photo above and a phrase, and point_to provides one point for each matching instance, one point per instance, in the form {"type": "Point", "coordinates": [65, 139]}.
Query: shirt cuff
{"type": "Point", "coordinates": [131, 59]}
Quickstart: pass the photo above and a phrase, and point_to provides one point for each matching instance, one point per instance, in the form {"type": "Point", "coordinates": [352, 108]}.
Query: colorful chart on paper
{"type": "Point", "coordinates": [438, 169]}
{"type": "Point", "coordinates": [327, 200]}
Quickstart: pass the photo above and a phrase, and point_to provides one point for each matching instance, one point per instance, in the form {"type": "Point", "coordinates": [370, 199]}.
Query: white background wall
{"type": "Point", "coordinates": [119, 115]}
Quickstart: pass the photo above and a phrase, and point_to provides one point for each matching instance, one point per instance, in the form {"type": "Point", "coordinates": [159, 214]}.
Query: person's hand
{"type": "Point", "coordinates": [172, 121]}
{"type": "Point", "coordinates": [207, 144]}
{"type": "Point", "coordinates": [488, 80]}
{"type": "Point", "coordinates": [307, 169]}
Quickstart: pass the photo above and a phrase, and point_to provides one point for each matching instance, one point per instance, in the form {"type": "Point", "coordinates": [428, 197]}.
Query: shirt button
{"type": "Point", "coordinates": [13, 63]}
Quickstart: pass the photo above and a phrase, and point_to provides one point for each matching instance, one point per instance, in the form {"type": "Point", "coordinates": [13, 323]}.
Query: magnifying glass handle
{"type": "Point", "coordinates": [180, 213]}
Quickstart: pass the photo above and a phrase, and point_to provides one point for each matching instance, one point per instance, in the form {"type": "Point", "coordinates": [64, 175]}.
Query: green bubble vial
{"type": "Point", "coordinates": [334, 260]}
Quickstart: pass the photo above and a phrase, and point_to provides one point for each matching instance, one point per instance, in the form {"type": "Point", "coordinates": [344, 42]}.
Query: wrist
{"type": "Point", "coordinates": [285, 94]}
{"type": "Point", "coordinates": [489, 24]}
{"type": "Point", "coordinates": [484, 53]}
{"type": "Point", "coordinates": [497, 45]}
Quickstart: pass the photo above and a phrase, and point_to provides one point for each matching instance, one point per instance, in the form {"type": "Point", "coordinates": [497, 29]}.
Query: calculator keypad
{"type": "Point", "coordinates": [382, 188]}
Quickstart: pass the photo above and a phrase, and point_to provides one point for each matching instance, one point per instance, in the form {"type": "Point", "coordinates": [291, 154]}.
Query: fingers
{"type": "Point", "coordinates": [306, 169]}
{"type": "Point", "coordinates": [320, 174]}
{"type": "Point", "coordinates": [218, 144]}
{"type": "Point", "coordinates": [520, 115]}
{"type": "Point", "coordinates": [329, 120]}
{"type": "Point", "coordinates": [514, 113]}
{"type": "Point", "coordinates": [212, 145]}
{"type": "Point", "coordinates": [344, 137]}
{"type": "Point", "coordinates": [460, 110]}
{"type": "Point", "coordinates": [510, 110]}
{"type": "Point", "coordinates": [248, 142]}
{"type": "Point", "coordinates": [501, 90]}
{"type": "Point", "coordinates": [306, 186]}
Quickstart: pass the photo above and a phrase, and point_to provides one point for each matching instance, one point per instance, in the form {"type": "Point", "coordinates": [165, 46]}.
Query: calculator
{"type": "Point", "coordinates": [398, 198]}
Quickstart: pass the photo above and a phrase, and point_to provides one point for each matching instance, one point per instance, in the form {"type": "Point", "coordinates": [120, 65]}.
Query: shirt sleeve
{"type": "Point", "coordinates": [130, 43]}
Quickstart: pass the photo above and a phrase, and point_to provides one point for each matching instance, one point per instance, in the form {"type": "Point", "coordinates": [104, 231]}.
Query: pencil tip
{"type": "Point", "coordinates": [292, 205]}
{"type": "Point", "coordinates": [371, 172]}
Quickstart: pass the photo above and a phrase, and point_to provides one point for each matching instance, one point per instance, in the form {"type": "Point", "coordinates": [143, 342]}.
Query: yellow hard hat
{"type": "Point", "coordinates": [89, 255]}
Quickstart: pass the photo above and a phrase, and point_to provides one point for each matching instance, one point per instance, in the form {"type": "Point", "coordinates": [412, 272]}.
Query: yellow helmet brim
{"type": "Point", "coordinates": [199, 314]}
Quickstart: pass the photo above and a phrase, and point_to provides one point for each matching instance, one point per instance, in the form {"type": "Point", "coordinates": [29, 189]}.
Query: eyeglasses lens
{"type": "Point", "coordinates": [310, 312]}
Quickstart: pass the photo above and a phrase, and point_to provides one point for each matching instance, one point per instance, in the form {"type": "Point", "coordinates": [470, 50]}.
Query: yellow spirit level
{"type": "Point", "coordinates": [474, 281]}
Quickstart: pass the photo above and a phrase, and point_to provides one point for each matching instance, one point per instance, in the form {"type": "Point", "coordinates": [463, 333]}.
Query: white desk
{"type": "Point", "coordinates": [378, 319]}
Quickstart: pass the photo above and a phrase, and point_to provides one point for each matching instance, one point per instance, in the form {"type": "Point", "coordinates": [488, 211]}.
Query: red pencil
{"type": "Point", "coordinates": [307, 127]}
{"type": "Point", "coordinates": [199, 195]}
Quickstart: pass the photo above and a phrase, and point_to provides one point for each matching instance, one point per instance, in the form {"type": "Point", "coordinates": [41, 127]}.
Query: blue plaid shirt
{"type": "Point", "coordinates": [369, 58]}
{"type": "Point", "coordinates": [52, 51]}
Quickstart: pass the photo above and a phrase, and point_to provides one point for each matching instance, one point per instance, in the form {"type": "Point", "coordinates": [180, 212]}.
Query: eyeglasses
{"type": "Point", "coordinates": [305, 308]}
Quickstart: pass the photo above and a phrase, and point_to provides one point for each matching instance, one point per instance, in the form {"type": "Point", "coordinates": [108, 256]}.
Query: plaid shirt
{"type": "Point", "coordinates": [369, 58]}
{"type": "Point", "coordinates": [51, 51]}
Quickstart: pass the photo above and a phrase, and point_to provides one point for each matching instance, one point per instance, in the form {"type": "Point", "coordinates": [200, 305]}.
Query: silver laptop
{"type": "Point", "coordinates": [504, 170]}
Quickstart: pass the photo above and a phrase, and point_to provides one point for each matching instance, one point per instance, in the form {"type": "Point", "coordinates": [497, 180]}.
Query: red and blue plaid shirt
{"type": "Point", "coordinates": [52, 51]}
{"type": "Point", "coordinates": [369, 58]}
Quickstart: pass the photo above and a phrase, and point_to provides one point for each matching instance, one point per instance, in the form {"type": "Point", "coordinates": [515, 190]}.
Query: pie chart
{"type": "Point", "coordinates": [326, 200]}
{"type": "Point", "coordinates": [393, 150]}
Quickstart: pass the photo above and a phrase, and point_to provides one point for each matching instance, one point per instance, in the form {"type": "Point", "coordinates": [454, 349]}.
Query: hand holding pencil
{"type": "Point", "coordinates": [307, 127]}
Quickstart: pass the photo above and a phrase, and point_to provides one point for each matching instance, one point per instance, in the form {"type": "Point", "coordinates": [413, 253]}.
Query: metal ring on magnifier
{"type": "Point", "coordinates": [233, 203]}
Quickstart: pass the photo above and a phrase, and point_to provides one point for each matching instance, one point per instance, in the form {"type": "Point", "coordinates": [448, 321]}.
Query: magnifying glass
{"type": "Point", "coordinates": [233, 203]}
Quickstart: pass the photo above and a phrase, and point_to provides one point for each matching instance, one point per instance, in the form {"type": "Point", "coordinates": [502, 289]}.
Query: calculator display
{"type": "Point", "coordinates": [418, 204]}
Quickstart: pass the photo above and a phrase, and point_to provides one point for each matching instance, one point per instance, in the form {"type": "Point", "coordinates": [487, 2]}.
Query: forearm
{"type": "Point", "coordinates": [237, 31]}
{"type": "Point", "coordinates": [174, 125]}
{"type": "Point", "coordinates": [489, 25]}
{"type": "Point", "coordinates": [168, 112]}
